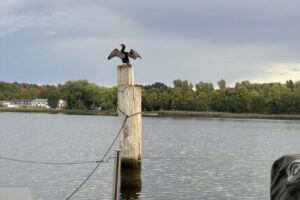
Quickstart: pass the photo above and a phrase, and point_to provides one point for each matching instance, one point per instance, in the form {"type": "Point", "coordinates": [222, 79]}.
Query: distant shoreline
{"type": "Point", "coordinates": [161, 113]}
{"type": "Point", "coordinates": [57, 111]}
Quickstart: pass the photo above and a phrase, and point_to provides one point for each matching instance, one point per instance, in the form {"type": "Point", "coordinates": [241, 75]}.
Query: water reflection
{"type": "Point", "coordinates": [130, 193]}
{"type": "Point", "coordinates": [131, 181]}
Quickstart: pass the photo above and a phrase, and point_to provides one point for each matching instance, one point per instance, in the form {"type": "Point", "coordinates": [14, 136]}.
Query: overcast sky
{"type": "Point", "coordinates": [53, 41]}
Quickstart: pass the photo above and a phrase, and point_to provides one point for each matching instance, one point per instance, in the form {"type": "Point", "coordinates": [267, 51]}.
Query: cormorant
{"type": "Point", "coordinates": [123, 55]}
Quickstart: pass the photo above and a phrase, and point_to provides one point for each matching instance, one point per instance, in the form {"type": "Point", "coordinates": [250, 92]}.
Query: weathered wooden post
{"type": "Point", "coordinates": [129, 108]}
{"type": "Point", "coordinates": [116, 182]}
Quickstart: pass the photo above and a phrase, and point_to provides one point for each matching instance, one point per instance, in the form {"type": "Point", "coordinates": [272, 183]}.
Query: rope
{"type": "Point", "coordinates": [198, 158]}
{"type": "Point", "coordinates": [126, 86]}
{"type": "Point", "coordinates": [104, 156]}
{"type": "Point", "coordinates": [49, 163]}
{"type": "Point", "coordinates": [109, 158]}
{"type": "Point", "coordinates": [123, 113]}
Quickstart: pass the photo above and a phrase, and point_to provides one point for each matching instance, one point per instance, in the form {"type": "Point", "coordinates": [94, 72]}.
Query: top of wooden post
{"type": "Point", "coordinates": [125, 75]}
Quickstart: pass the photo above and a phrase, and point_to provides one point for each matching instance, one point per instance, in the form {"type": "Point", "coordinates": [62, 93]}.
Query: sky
{"type": "Point", "coordinates": [53, 41]}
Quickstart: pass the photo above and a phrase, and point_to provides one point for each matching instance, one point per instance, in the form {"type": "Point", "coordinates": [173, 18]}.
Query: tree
{"type": "Point", "coordinates": [202, 103]}
{"type": "Point", "coordinates": [177, 99]}
{"type": "Point", "coordinates": [297, 84]}
{"type": "Point", "coordinates": [150, 100]}
{"type": "Point", "coordinates": [185, 85]}
{"type": "Point", "coordinates": [189, 101]}
{"type": "Point", "coordinates": [52, 93]}
{"type": "Point", "coordinates": [81, 94]}
{"type": "Point", "coordinates": [244, 97]}
{"type": "Point", "coordinates": [107, 98]}
{"type": "Point", "coordinates": [164, 100]}
{"type": "Point", "coordinates": [290, 84]}
{"type": "Point", "coordinates": [222, 84]}
{"type": "Point", "coordinates": [156, 85]}
{"type": "Point", "coordinates": [204, 87]}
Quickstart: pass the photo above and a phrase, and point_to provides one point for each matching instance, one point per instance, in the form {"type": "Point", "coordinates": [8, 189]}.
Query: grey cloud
{"type": "Point", "coordinates": [225, 21]}
{"type": "Point", "coordinates": [66, 18]}
{"type": "Point", "coordinates": [230, 22]}
{"type": "Point", "coordinates": [54, 41]}
{"type": "Point", "coordinates": [293, 68]}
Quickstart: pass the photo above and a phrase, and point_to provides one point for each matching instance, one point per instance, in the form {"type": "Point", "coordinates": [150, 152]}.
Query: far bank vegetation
{"type": "Point", "coordinates": [244, 97]}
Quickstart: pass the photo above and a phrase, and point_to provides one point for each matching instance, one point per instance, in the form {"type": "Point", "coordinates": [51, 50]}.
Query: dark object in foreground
{"type": "Point", "coordinates": [123, 55]}
{"type": "Point", "coordinates": [285, 178]}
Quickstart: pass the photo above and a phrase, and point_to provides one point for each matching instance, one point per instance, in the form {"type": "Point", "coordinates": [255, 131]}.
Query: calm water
{"type": "Point", "coordinates": [184, 158]}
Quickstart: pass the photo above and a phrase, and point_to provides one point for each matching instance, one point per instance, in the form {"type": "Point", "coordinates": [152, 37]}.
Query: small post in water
{"type": "Point", "coordinates": [116, 186]}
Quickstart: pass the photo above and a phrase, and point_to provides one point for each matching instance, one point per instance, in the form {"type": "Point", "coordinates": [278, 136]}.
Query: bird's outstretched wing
{"type": "Point", "coordinates": [133, 54]}
{"type": "Point", "coordinates": [116, 53]}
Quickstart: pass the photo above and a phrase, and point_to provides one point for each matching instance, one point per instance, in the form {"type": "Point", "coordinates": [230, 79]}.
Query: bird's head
{"type": "Point", "coordinates": [122, 46]}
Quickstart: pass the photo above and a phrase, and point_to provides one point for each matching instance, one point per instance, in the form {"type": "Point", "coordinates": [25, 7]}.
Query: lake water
{"type": "Point", "coordinates": [184, 158]}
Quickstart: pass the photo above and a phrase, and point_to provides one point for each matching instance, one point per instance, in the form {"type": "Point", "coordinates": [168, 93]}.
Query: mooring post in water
{"type": "Point", "coordinates": [116, 182]}
{"type": "Point", "coordinates": [129, 108]}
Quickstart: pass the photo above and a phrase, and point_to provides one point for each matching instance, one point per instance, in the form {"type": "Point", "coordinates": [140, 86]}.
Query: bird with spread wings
{"type": "Point", "coordinates": [123, 55]}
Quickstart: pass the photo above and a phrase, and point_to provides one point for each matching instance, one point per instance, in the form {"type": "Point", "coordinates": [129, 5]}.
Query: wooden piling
{"type": "Point", "coordinates": [116, 182]}
{"type": "Point", "coordinates": [129, 106]}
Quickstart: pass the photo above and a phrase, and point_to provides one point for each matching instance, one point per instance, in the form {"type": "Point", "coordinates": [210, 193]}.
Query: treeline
{"type": "Point", "coordinates": [79, 94]}
{"type": "Point", "coordinates": [244, 97]}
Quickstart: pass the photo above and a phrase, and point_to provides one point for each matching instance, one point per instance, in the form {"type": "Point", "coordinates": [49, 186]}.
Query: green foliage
{"type": "Point", "coordinates": [52, 93]}
{"type": "Point", "coordinates": [204, 87]}
{"type": "Point", "coordinates": [222, 84]}
{"type": "Point", "coordinates": [244, 97]}
{"type": "Point", "coordinates": [18, 91]}
{"type": "Point", "coordinates": [290, 84]}
{"type": "Point", "coordinates": [81, 94]}
{"type": "Point", "coordinates": [185, 85]}
{"type": "Point", "coordinates": [156, 85]}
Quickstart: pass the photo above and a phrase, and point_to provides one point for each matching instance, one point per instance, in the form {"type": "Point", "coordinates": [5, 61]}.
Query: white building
{"type": "Point", "coordinates": [6, 104]}
{"type": "Point", "coordinates": [23, 103]}
{"type": "Point", "coordinates": [40, 103]}
{"type": "Point", "coordinates": [19, 103]}
{"type": "Point", "coordinates": [61, 104]}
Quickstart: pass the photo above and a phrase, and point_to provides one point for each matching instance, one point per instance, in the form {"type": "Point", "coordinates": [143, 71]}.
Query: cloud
{"type": "Point", "coordinates": [293, 68]}
{"type": "Point", "coordinates": [278, 72]}
{"type": "Point", "coordinates": [71, 18]}
{"type": "Point", "coordinates": [10, 25]}
{"type": "Point", "coordinates": [55, 41]}
{"type": "Point", "coordinates": [229, 21]}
